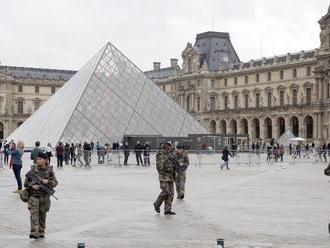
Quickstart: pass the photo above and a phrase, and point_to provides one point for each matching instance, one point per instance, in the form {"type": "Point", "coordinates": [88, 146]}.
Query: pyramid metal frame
{"type": "Point", "coordinates": [108, 98]}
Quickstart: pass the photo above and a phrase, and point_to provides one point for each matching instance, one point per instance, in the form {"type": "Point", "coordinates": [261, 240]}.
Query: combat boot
{"type": "Point", "coordinates": [156, 208]}
{"type": "Point", "coordinates": [33, 236]}
{"type": "Point", "coordinates": [182, 196]}
{"type": "Point", "coordinates": [170, 213]}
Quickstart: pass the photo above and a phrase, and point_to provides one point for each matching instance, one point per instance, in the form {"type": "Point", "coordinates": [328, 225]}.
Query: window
{"type": "Point", "coordinates": [269, 76]}
{"type": "Point", "coordinates": [225, 104]}
{"type": "Point", "coordinates": [225, 82]}
{"type": "Point", "coordinates": [20, 88]}
{"type": "Point", "coordinates": [294, 73]}
{"type": "Point", "coordinates": [308, 95]}
{"type": "Point", "coordinates": [36, 89]}
{"type": "Point", "coordinates": [235, 80]}
{"type": "Point", "coordinates": [36, 105]}
{"type": "Point", "coordinates": [20, 106]}
{"type": "Point", "coordinates": [257, 100]}
{"type": "Point", "coordinates": [188, 102]}
{"type": "Point", "coordinates": [198, 103]}
{"type": "Point", "coordinates": [246, 79]}
{"type": "Point", "coordinates": [282, 98]}
{"type": "Point", "coordinates": [236, 102]}
{"type": "Point", "coordinates": [212, 83]}
{"type": "Point", "coordinates": [308, 71]}
{"type": "Point", "coordinates": [257, 78]}
{"type": "Point", "coordinates": [164, 88]}
{"type": "Point", "coordinates": [198, 83]}
{"type": "Point", "coordinates": [269, 99]}
{"type": "Point", "coordinates": [294, 96]}
{"type": "Point", "coordinates": [212, 103]}
{"type": "Point", "coordinates": [246, 101]}
{"type": "Point", "coordinates": [281, 74]}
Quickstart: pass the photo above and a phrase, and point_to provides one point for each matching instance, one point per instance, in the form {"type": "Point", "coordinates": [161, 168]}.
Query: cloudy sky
{"type": "Point", "coordinates": [64, 34]}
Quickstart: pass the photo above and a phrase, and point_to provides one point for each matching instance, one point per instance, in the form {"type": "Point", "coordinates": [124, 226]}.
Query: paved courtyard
{"type": "Point", "coordinates": [283, 205]}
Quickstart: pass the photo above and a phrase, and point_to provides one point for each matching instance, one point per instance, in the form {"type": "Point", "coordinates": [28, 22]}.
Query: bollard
{"type": "Point", "coordinates": [220, 243]}
{"type": "Point", "coordinates": [81, 245]}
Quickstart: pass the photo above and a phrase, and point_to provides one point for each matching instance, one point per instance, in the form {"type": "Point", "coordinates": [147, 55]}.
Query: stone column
{"type": "Point", "coordinates": [262, 130]}
{"type": "Point", "coordinates": [319, 126]}
{"type": "Point", "coordinates": [275, 128]}
{"type": "Point", "coordinates": [315, 128]}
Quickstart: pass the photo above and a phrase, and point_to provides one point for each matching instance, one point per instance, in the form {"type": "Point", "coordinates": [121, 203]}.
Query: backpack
{"type": "Point", "coordinates": [327, 170]}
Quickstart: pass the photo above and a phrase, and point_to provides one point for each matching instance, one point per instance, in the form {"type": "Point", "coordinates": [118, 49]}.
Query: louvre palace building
{"type": "Point", "coordinates": [261, 97]}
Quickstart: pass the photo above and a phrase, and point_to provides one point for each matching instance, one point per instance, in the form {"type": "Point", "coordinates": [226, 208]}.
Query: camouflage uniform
{"type": "Point", "coordinates": [39, 201]}
{"type": "Point", "coordinates": [166, 179]}
{"type": "Point", "coordinates": [180, 173]}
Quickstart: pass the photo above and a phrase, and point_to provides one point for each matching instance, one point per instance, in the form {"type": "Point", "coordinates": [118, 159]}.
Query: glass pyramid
{"type": "Point", "coordinates": [109, 97]}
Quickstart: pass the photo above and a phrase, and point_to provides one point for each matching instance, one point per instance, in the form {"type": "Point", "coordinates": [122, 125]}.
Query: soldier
{"type": "Point", "coordinates": [180, 173]}
{"type": "Point", "coordinates": [166, 178]}
{"type": "Point", "coordinates": [39, 201]}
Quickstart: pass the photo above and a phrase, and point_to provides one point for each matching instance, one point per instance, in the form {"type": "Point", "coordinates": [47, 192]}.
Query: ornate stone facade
{"type": "Point", "coordinates": [23, 91]}
{"type": "Point", "coordinates": [263, 97]}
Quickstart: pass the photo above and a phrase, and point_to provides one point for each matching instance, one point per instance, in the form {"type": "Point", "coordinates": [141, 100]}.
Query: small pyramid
{"type": "Point", "coordinates": [109, 97]}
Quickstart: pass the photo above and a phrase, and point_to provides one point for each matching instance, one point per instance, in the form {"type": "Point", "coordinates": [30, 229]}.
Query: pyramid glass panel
{"type": "Point", "coordinates": [108, 98]}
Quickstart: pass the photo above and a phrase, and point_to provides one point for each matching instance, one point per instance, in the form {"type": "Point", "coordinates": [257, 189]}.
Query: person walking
{"type": "Point", "coordinates": [180, 173]}
{"type": "Point", "coordinates": [87, 150]}
{"type": "Point", "coordinates": [108, 148]}
{"type": "Point", "coordinates": [49, 152]}
{"type": "Point", "coordinates": [5, 152]}
{"type": "Point", "coordinates": [166, 179]}
{"type": "Point", "coordinates": [146, 154]}
{"type": "Point", "coordinates": [39, 200]}
{"type": "Point", "coordinates": [225, 158]}
{"type": "Point", "coordinates": [59, 154]}
{"type": "Point", "coordinates": [16, 162]}
{"type": "Point", "coordinates": [35, 151]}
{"type": "Point", "coordinates": [125, 147]}
{"type": "Point", "coordinates": [80, 153]}
{"type": "Point", "coordinates": [66, 153]}
{"type": "Point", "coordinates": [138, 150]}
{"type": "Point", "coordinates": [72, 155]}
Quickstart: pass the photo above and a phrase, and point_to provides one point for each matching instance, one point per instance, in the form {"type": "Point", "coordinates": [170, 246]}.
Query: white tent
{"type": "Point", "coordinates": [285, 139]}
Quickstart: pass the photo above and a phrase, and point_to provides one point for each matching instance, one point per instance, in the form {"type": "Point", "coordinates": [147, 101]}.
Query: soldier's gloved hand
{"type": "Point", "coordinates": [44, 181]}
{"type": "Point", "coordinates": [35, 187]}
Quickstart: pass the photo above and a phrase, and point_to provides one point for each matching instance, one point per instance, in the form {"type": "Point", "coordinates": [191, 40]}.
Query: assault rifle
{"type": "Point", "coordinates": [173, 160]}
{"type": "Point", "coordinates": [44, 187]}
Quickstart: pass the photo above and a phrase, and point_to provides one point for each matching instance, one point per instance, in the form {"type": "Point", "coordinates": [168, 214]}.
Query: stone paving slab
{"type": "Point", "coordinates": [282, 205]}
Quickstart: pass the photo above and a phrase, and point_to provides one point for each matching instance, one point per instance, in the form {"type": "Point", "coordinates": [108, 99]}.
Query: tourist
{"type": "Point", "coordinates": [92, 147]}
{"type": "Point", "coordinates": [138, 150]}
{"type": "Point", "coordinates": [125, 147]}
{"type": "Point", "coordinates": [34, 152]}
{"type": "Point", "coordinates": [146, 154]}
{"type": "Point", "coordinates": [98, 152]}
{"type": "Point", "coordinates": [324, 152]}
{"type": "Point", "coordinates": [16, 162]}
{"type": "Point", "coordinates": [108, 148]}
{"type": "Point", "coordinates": [87, 151]}
{"type": "Point", "coordinates": [49, 152]}
{"type": "Point", "coordinates": [5, 152]}
{"type": "Point", "coordinates": [281, 152]}
{"type": "Point", "coordinates": [59, 154]}
{"type": "Point", "coordinates": [225, 158]}
{"type": "Point", "coordinates": [73, 155]}
{"type": "Point", "coordinates": [79, 153]}
{"type": "Point", "coordinates": [66, 153]}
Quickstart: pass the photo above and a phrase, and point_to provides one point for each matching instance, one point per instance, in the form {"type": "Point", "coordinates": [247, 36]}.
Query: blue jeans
{"type": "Point", "coordinates": [17, 172]}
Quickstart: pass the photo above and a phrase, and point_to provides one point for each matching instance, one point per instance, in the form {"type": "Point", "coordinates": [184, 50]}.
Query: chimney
{"type": "Point", "coordinates": [156, 66]}
{"type": "Point", "coordinates": [174, 62]}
